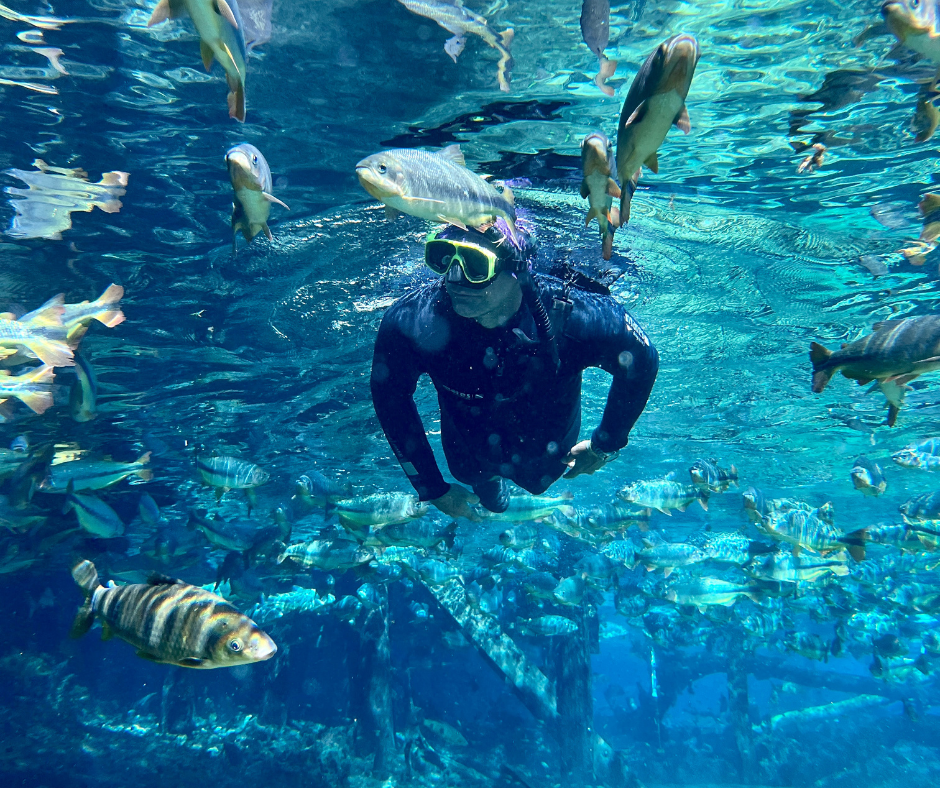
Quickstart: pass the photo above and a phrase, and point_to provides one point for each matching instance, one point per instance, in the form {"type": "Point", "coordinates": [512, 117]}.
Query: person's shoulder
{"type": "Point", "coordinates": [415, 309]}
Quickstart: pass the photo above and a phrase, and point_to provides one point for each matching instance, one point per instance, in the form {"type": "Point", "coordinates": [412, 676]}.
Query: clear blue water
{"type": "Point", "coordinates": [733, 263]}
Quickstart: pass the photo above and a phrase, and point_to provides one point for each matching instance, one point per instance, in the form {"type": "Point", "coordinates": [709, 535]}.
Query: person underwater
{"type": "Point", "coordinates": [507, 375]}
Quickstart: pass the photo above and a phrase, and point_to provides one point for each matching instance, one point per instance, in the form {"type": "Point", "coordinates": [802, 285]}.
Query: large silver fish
{"type": "Point", "coordinates": [655, 103]}
{"type": "Point", "coordinates": [595, 30]}
{"type": "Point", "coordinates": [221, 38]}
{"type": "Point", "coordinates": [915, 24]}
{"type": "Point", "coordinates": [171, 622]}
{"type": "Point", "coordinates": [251, 180]}
{"type": "Point", "coordinates": [897, 351]}
{"type": "Point", "coordinates": [599, 188]}
{"type": "Point", "coordinates": [434, 186]}
{"type": "Point", "coordinates": [454, 18]}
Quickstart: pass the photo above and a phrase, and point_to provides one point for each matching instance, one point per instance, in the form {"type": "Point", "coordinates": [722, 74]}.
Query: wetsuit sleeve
{"type": "Point", "coordinates": [615, 342]}
{"type": "Point", "coordinates": [395, 373]}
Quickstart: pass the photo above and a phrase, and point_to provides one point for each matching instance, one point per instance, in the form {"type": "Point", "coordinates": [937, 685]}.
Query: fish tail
{"type": "Point", "coordinates": [144, 473]}
{"type": "Point", "coordinates": [819, 356]}
{"type": "Point", "coordinates": [86, 576]}
{"type": "Point", "coordinates": [605, 72]}
{"type": "Point", "coordinates": [106, 302]}
{"type": "Point", "coordinates": [161, 13]}
{"type": "Point", "coordinates": [607, 248]}
{"type": "Point", "coordinates": [236, 100]}
{"type": "Point", "coordinates": [626, 197]}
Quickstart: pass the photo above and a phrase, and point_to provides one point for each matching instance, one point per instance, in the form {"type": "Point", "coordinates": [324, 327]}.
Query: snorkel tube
{"type": "Point", "coordinates": [519, 263]}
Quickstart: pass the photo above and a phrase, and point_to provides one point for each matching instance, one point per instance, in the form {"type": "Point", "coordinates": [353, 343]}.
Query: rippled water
{"type": "Point", "coordinates": [734, 261]}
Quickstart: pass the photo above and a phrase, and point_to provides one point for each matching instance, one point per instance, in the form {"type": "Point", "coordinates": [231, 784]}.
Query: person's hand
{"type": "Point", "coordinates": [583, 459]}
{"type": "Point", "coordinates": [456, 502]}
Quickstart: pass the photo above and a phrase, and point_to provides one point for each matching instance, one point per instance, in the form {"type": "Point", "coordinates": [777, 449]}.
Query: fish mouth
{"type": "Point", "coordinates": [900, 21]}
{"type": "Point", "coordinates": [239, 170]}
{"type": "Point", "coordinates": [594, 155]}
{"type": "Point", "coordinates": [377, 185]}
{"type": "Point", "coordinates": [682, 56]}
{"type": "Point", "coordinates": [263, 648]}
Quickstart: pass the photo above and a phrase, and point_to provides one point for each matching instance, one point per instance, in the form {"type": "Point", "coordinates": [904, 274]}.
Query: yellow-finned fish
{"type": "Point", "coordinates": [218, 23]}
{"type": "Point", "coordinates": [599, 188]}
{"type": "Point", "coordinates": [454, 18]}
{"type": "Point", "coordinates": [655, 103]}
{"type": "Point", "coordinates": [32, 388]}
{"type": "Point", "coordinates": [251, 180]}
{"type": "Point", "coordinates": [171, 622]}
{"type": "Point", "coordinates": [435, 186]}
{"type": "Point", "coordinates": [929, 207]}
{"type": "Point", "coordinates": [595, 31]}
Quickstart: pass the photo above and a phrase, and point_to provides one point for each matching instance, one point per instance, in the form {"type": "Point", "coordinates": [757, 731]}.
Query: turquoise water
{"type": "Point", "coordinates": [733, 263]}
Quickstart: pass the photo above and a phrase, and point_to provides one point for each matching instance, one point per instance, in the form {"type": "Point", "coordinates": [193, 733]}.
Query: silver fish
{"type": "Point", "coordinates": [251, 181]}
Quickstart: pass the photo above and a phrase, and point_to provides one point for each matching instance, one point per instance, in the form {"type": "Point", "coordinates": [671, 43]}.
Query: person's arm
{"type": "Point", "coordinates": [395, 373]}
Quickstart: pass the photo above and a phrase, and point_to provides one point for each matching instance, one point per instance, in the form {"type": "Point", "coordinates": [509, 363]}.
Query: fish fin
{"type": "Point", "coordinates": [857, 551]}
{"type": "Point", "coordinates": [272, 198]}
{"type": "Point", "coordinates": [892, 417]}
{"type": "Point", "coordinates": [594, 213]}
{"type": "Point", "coordinates": [83, 620]}
{"type": "Point", "coordinates": [85, 574]}
{"type": "Point", "coordinates": [453, 154]}
{"type": "Point", "coordinates": [653, 162]}
{"type": "Point", "coordinates": [667, 571]}
{"type": "Point", "coordinates": [863, 381]}
{"type": "Point", "coordinates": [145, 457]}
{"type": "Point", "coordinates": [207, 55]}
{"type": "Point", "coordinates": [666, 512]}
{"type": "Point", "coordinates": [145, 474]}
{"type": "Point", "coordinates": [267, 231]}
{"type": "Point", "coordinates": [612, 188]}
{"type": "Point", "coordinates": [391, 213]}
{"type": "Point", "coordinates": [107, 632]}
{"type": "Point", "coordinates": [191, 662]}
{"type": "Point", "coordinates": [637, 115]}
{"type": "Point", "coordinates": [49, 314]}
{"type": "Point", "coordinates": [226, 12]}
{"type": "Point", "coordinates": [840, 569]}
{"type": "Point", "coordinates": [36, 401]}
{"type": "Point", "coordinates": [236, 100]}
{"type": "Point", "coordinates": [614, 216]}
{"type": "Point", "coordinates": [819, 355]}
{"type": "Point", "coordinates": [682, 508]}
{"type": "Point", "coordinates": [454, 222]}
{"type": "Point", "coordinates": [109, 298]}
{"type": "Point", "coordinates": [161, 13]}
{"type": "Point", "coordinates": [607, 247]}
{"type": "Point", "coordinates": [148, 656]}
{"type": "Point", "coordinates": [682, 121]}
{"type": "Point", "coordinates": [703, 502]}
{"type": "Point", "coordinates": [509, 197]}
{"type": "Point", "coordinates": [157, 579]}
{"type": "Point", "coordinates": [885, 324]}
{"type": "Point", "coordinates": [585, 191]}
{"type": "Point", "coordinates": [903, 380]}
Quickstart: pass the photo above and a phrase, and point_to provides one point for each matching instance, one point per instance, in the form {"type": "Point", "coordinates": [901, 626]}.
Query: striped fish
{"type": "Point", "coordinates": [93, 474]}
{"type": "Point", "coordinates": [171, 622]}
{"type": "Point", "coordinates": [230, 473]}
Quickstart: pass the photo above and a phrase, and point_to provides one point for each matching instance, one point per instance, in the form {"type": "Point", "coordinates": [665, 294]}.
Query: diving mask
{"type": "Point", "coordinates": [478, 262]}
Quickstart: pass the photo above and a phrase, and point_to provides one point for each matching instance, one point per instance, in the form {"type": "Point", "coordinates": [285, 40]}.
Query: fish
{"type": "Point", "coordinates": [415, 533]}
{"type": "Point", "coordinates": [595, 32]}
{"type": "Point", "coordinates": [725, 547]}
{"type": "Point", "coordinates": [83, 396]}
{"type": "Point", "coordinates": [237, 535]}
{"type": "Point", "coordinates": [548, 626]}
{"type": "Point", "coordinates": [456, 19]}
{"type": "Point", "coordinates": [922, 508]}
{"type": "Point", "coordinates": [599, 188]}
{"type": "Point", "coordinates": [93, 474]}
{"type": "Point", "coordinates": [897, 351]}
{"type": "Point", "coordinates": [904, 537]}
{"type": "Point", "coordinates": [929, 208]}
{"type": "Point", "coordinates": [655, 103]}
{"type": "Point", "coordinates": [531, 508]}
{"type": "Point", "coordinates": [447, 734]}
{"type": "Point", "coordinates": [170, 622]}
{"type": "Point", "coordinates": [326, 555]}
{"type": "Point", "coordinates": [221, 38]}
{"type": "Point", "coordinates": [43, 335]}
{"type": "Point", "coordinates": [704, 592]}
{"type": "Point", "coordinates": [915, 24]}
{"type": "Point", "coordinates": [811, 530]}
{"type": "Point", "coordinates": [313, 489]}
{"type": "Point", "coordinates": [663, 495]}
{"type": "Point", "coordinates": [660, 554]}
{"type": "Point", "coordinates": [104, 309]}
{"type": "Point", "coordinates": [807, 644]}
{"type": "Point", "coordinates": [706, 474]}
{"type": "Point", "coordinates": [926, 115]}
{"type": "Point", "coordinates": [94, 515]}
{"type": "Point", "coordinates": [924, 455]}
{"type": "Point", "coordinates": [377, 509]}
{"type": "Point", "coordinates": [814, 160]}
{"type": "Point", "coordinates": [33, 388]}
{"type": "Point", "coordinates": [868, 477]}
{"type": "Point", "coordinates": [230, 473]}
{"type": "Point", "coordinates": [436, 186]}
{"type": "Point", "coordinates": [570, 591]}
{"type": "Point", "coordinates": [783, 566]}
{"type": "Point", "coordinates": [251, 181]}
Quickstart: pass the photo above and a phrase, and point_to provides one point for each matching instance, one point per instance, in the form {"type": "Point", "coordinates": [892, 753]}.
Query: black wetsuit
{"type": "Point", "coordinates": [504, 409]}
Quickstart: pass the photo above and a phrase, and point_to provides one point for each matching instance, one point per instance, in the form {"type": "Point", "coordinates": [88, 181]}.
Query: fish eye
{"type": "Point", "coordinates": [235, 646]}
{"type": "Point", "coordinates": [383, 169]}
{"type": "Point", "coordinates": [254, 159]}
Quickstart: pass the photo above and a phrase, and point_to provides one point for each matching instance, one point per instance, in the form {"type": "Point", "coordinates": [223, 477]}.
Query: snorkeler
{"type": "Point", "coordinates": [508, 376]}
